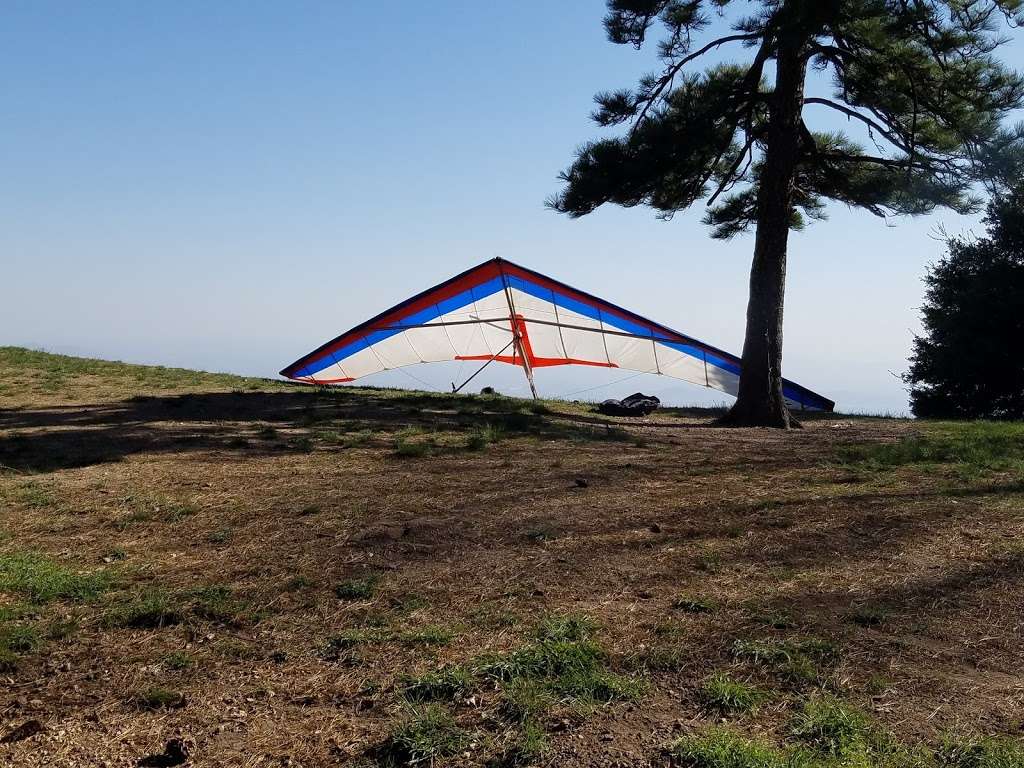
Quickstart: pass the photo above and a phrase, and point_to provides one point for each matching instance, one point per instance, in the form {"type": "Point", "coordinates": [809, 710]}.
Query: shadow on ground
{"type": "Point", "coordinates": [59, 437]}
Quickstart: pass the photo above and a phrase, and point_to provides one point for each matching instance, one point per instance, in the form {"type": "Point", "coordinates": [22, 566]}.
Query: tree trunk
{"type": "Point", "coordinates": [760, 402]}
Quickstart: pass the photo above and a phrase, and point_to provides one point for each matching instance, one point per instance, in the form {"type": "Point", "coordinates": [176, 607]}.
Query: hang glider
{"type": "Point", "coordinates": [501, 312]}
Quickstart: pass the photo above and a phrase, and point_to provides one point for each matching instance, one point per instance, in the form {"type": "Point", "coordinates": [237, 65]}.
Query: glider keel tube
{"type": "Point", "coordinates": [503, 312]}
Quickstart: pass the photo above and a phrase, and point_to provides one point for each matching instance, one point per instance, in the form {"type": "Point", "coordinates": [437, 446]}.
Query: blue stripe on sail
{"type": "Point", "coordinates": [434, 311]}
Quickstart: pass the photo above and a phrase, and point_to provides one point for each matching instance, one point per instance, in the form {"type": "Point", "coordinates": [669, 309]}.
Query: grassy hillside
{"type": "Point", "coordinates": [237, 572]}
{"type": "Point", "coordinates": [29, 376]}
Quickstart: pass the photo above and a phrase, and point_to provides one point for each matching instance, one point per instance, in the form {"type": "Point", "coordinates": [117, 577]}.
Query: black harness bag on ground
{"type": "Point", "coordinates": [637, 404]}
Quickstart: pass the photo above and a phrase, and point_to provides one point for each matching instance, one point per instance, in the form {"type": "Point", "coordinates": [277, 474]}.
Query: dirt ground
{"type": "Point", "coordinates": [275, 495]}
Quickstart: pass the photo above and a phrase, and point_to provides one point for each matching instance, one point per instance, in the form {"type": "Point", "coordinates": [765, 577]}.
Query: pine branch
{"type": "Point", "coordinates": [669, 76]}
{"type": "Point", "coordinates": [730, 179]}
{"type": "Point", "coordinates": [849, 112]}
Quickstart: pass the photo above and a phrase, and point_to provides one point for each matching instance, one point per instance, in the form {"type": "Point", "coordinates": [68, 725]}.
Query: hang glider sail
{"type": "Point", "coordinates": [501, 312]}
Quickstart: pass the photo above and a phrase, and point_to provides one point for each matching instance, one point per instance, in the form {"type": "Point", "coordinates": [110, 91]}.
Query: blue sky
{"type": "Point", "coordinates": [227, 185]}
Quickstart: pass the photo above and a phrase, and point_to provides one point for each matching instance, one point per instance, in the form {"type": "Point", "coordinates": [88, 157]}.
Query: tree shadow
{"type": "Point", "coordinates": [243, 423]}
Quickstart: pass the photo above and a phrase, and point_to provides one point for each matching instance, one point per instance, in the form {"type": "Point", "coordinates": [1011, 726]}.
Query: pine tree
{"type": "Point", "coordinates": [969, 364]}
{"type": "Point", "coordinates": [917, 77]}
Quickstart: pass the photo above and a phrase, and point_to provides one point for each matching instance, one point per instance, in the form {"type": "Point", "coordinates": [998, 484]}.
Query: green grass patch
{"type": "Point", "coordinates": [13, 612]}
{"type": "Point", "coordinates": [219, 537]}
{"type": "Point", "coordinates": [302, 444]}
{"type": "Point", "coordinates": [150, 509]}
{"type": "Point", "coordinates": [407, 603]}
{"type": "Point", "coordinates": [529, 746]}
{"type": "Point", "coordinates": [339, 647]}
{"type": "Point", "coordinates": [671, 630]}
{"type": "Point", "coordinates": [353, 638]}
{"type": "Point", "coordinates": [297, 584]}
{"type": "Point", "coordinates": [240, 650]}
{"type": "Point", "coordinates": [799, 662]}
{"type": "Point", "coordinates": [832, 727]}
{"type": "Point", "coordinates": [828, 735]}
{"type": "Point", "coordinates": [61, 373]}
{"type": "Point", "coordinates": [723, 748]}
{"type": "Point", "coordinates": [159, 698]}
{"type": "Point", "coordinates": [426, 734]}
{"type": "Point", "coordinates": [179, 661]}
{"type": "Point", "coordinates": [39, 579]}
{"type": "Point", "coordinates": [31, 494]}
{"type": "Point", "coordinates": [61, 629]}
{"type": "Point", "coordinates": [429, 635]}
{"type": "Point", "coordinates": [442, 685]}
{"type": "Point", "coordinates": [357, 589]}
{"type": "Point", "coordinates": [217, 603]}
{"type": "Point", "coordinates": [974, 447]}
{"type": "Point", "coordinates": [357, 439]}
{"type": "Point", "coordinates": [868, 615]}
{"type": "Point", "coordinates": [541, 533]}
{"type": "Point", "coordinates": [150, 609]}
{"type": "Point", "coordinates": [525, 700]}
{"type": "Point", "coordinates": [492, 617]}
{"type": "Point", "coordinates": [980, 752]}
{"type": "Point", "coordinates": [708, 560]}
{"type": "Point", "coordinates": [568, 628]}
{"type": "Point", "coordinates": [483, 436]}
{"type": "Point", "coordinates": [688, 604]}
{"type": "Point", "coordinates": [414, 443]}
{"type": "Point", "coordinates": [19, 638]}
{"type": "Point", "coordinates": [775, 619]}
{"type": "Point", "coordinates": [562, 661]}
{"type": "Point", "coordinates": [728, 696]}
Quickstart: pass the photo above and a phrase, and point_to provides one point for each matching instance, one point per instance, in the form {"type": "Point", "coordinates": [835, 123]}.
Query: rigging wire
{"type": "Point", "coordinates": [430, 387]}
{"type": "Point", "coordinates": [601, 386]}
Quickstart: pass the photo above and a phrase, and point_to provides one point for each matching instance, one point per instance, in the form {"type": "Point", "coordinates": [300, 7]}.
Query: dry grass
{"type": "Point", "coordinates": [265, 574]}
